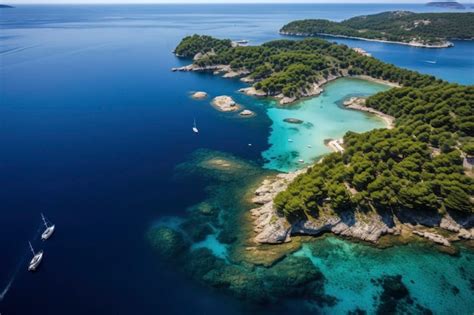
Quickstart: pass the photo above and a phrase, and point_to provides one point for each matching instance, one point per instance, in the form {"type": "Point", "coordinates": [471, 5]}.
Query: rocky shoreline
{"type": "Point", "coordinates": [272, 228]}
{"type": "Point", "coordinates": [358, 103]}
{"type": "Point", "coordinates": [225, 103]}
{"type": "Point", "coordinates": [316, 88]}
{"type": "Point", "coordinates": [413, 43]}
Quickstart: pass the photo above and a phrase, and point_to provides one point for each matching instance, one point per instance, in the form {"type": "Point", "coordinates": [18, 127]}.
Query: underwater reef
{"type": "Point", "coordinates": [213, 244]}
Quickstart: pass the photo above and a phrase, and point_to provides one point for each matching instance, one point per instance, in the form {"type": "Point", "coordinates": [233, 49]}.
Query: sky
{"type": "Point", "coordinates": [13, 2]}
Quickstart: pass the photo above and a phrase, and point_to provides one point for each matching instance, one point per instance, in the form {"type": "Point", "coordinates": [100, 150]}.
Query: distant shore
{"type": "Point", "coordinates": [445, 44]}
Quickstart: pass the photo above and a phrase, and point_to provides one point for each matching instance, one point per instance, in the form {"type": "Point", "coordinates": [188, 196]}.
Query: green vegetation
{"type": "Point", "coordinates": [397, 26]}
{"type": "Point", "coordinates": [439, 114]}
{"type": "Point", "coordinates": [386, 170]}
{"type": "Point", "coordinates": [397, 169]}
{"type": "Point", "coordinates": [292, 67]}
{"type": "Point", "coordinates": [417, 165]}
{"type": "Point", "coordinates": [192, 45]}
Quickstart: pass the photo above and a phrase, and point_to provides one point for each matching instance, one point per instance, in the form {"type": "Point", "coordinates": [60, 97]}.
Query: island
{"type": "Point", "coordinates": [428, 30]}
{"type": "Point", "coordinates": [408, 184]}
{"type": "Point", "coordinates": [290, 70]}
{"type": "Point", "coordinates": [446, 4]}
{"type": "Point", "coordinates": [5, 6]}
{"type": "Point", "coordinates": [225, 103]}
{"type": "Point", "coordinates": [408, 178]}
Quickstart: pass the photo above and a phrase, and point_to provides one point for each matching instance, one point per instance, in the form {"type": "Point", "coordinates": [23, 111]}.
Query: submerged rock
{"type": "Point", "coordinates": [197, 230]}
{"type": "Point", "coordinates": [293, 120]}
{"type": "Point", "coordinates": [169, 243]}
{"type": "Point", "coordinates": [396, 299]}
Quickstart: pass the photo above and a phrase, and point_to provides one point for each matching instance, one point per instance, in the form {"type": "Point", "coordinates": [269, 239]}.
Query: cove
{"type": "Point", "coordinates": [323, 117]}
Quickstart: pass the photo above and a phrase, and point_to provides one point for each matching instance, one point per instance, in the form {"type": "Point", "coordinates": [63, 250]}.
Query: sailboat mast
{"type": "Point", "coordinates": [32, 250]}
{"type": "Point", "coordinates": [44, 220]}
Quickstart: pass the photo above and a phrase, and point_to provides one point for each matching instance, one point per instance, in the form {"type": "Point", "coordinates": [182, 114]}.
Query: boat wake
{"type": "Point", "coordinates": [21, 262]}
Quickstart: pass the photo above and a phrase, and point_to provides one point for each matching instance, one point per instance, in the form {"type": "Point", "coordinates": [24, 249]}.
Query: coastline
{"type": "Point", "coordinates": [369, 227]}
{"type": "Point", "coordinates": [316, 89]}
{"type": "Point", "coordinates": [447, 44]}
{"type": "Point", "coordinates": [358, 103]}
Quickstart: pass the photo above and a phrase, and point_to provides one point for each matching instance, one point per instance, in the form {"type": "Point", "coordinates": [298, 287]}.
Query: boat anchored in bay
{"type": "Point", "coordinates": [49, 229]}
{"type": "Point", "coordinates": [195, 130]}
{"type": "Point", "coordinates": [36, 260]}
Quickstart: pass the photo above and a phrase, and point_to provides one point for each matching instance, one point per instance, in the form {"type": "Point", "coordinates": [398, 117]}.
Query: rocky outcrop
{"type": "Point", "coordinates": [314, 90]}
{"type": "Point", "coordinates": [369, 226]}
{"type": "Point", "coordinates": [236, 73]}
{"type": "Point", "coordinates": [436, 238]}
{"type": "Point", "coordinates": [196, 68]}
{"type": "Point", "coordinates": [199, 95]}
{"type": "Point", "coordinates": [247, 113]}
{"type": "Point", "coordinates": [247, 79]}
{"type": "Point", "coordinates": [225, 103]}
{"type": "Point", "coordinates": [251, 91]}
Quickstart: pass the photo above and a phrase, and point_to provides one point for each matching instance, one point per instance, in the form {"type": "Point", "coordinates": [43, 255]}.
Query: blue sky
{"type": "Point", "coordinates": [13, 2]}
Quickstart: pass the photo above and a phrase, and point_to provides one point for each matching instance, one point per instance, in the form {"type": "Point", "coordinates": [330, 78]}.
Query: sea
{"type": "Point", "coordinates": [93, 125]}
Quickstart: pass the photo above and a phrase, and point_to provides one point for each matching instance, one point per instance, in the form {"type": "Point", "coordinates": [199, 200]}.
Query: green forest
{"type": "Point", "coordinates": [291, 67]}
{"type": "Point", "coordinates": [416, 165]}
{"type": "Point", "coordinates": [399, 26]}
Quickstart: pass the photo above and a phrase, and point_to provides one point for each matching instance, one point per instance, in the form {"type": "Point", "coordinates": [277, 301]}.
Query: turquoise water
{"type": "Point", "coordinates": [217, 248]}
{"type": "Point", "coordinates": [431, 277]}
{"type": "Point", "coordinates": [324, 118]}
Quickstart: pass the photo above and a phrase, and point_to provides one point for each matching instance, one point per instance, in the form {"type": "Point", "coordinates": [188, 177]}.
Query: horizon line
{"type": "Point", "coordinates": [129, 2]}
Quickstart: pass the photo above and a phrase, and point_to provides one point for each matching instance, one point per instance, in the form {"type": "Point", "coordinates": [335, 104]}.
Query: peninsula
{"type": "Point", "coordinates": [428, 30]}
{"type": "Point", "coordinates": [289, 70]}
{"type": "Point", "coordinates": [407, 180]}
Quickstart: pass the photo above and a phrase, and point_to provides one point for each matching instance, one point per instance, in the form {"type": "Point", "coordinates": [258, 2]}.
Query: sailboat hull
{"type": "Point", "coordinates": [48, 232]}
{"type": "Point", "coordinates": [35, 262]}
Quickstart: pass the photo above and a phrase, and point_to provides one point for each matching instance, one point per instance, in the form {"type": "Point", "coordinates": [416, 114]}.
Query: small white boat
{"type": "Point", "coordinates": [309, 146]}
{"type": "Point", "coordinates": [195, 130]}
{"type": "Point", "coordinates": [290, 140]}
{"type": "Point", "coordinates": [301, 161]}
{"type": "Point", "coordinates": [49, 229]}
{"type": "Point", "coordinates": [36, 260]}
{"type": "Point", "coordinates": [250, 144]}
{"type": "Point", "coordinates": [430, 61]}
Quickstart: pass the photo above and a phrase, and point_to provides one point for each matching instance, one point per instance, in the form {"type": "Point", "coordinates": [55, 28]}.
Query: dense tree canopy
{"type": "Point", "coordinates": [402, 26]}
{"type": "Point", "coordinates": [417, 165]}
{"type": "Point", "coordinates": [384, 169]}
{"type": "Point", "coordinates": [291, 67]}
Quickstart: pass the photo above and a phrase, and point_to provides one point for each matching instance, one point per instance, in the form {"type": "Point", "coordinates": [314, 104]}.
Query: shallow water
{"type": "Point", "coordinates": [324, 117]}
{"type": "Point", "coordinates": [437, 281]}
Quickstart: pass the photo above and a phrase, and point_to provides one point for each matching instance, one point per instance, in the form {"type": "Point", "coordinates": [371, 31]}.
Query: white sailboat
{"type": "Point", "coordinates": [49, 229]}
{"type": "Point", "coordinates": [195, 130]}
{"type": "Point", "coordinates": [36, 260]}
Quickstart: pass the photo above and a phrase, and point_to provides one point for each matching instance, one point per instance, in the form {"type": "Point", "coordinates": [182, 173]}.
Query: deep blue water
{"type": "Point", "coordinates": [92, 124]}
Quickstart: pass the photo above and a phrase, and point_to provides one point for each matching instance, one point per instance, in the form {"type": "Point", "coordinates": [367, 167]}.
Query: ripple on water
{"type": "Point", "coordinates": [323, 118]}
